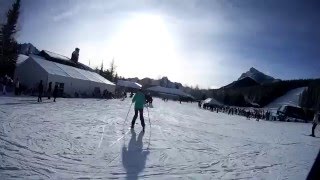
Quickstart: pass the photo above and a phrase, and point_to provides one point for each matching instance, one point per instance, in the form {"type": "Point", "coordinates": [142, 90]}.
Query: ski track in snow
{"type": "Point", "coordinates": [85, 138]}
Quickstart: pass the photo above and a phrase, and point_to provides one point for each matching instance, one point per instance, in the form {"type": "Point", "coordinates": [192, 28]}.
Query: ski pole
{"type": "Point", "coordinates": [127, 115]}
{"type": "Point", "coordinates": [149, 117]}
{"type": "Point", "coordinates": [149, 129]}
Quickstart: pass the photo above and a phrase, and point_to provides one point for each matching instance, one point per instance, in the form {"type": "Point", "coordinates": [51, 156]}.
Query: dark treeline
{"type": "Point", "coordinates": [310, 97]}
{"type": "Point", "coordinates": [264, 94]}
{"type": "Point", "coordinates": [8, 43]}
{"type": "Point", "coordinates": [110, 74]}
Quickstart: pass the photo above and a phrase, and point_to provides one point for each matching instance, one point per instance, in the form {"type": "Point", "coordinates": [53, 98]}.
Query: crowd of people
{"type": "Point", "coordinates": [9, 84]}
{"type": "Point", "coordinates": [254, 113]}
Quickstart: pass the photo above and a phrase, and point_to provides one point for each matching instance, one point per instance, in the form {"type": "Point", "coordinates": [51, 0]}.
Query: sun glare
{"type": "Point", "coordinates": [144, 40]}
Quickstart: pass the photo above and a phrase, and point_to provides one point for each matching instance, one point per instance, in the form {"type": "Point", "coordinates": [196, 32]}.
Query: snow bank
{"type": "Point", "coordinates": [85, 138]}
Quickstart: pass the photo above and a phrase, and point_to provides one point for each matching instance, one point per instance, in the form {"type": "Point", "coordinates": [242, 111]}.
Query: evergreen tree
{"type": "Point", "coordinates": [9, 51]}
{"type": "Point", "coordinates": [112, 68]}
{"type": "Point", "coordinates": [116, 78]}
{"type": "Point", "coordinates": [101, 69]}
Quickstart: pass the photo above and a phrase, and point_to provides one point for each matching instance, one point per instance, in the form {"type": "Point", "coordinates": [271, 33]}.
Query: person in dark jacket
{"type": "Point", "coordinates": [75, 55]}
{"type": "Point", "coordinates": [49, 90]}
{"type": "Point", "coordinates": [55, 93]}
{"type": "Point", "coordinates": [149, 99]}
{"type": "Point", "coordinates": [139, 100]}
{"type": "Point", "coordinates": [4, 84]}
{"type": "Point", "coordinates": [17, 87]}
{"type": "Point", "coordinates": [40, 91]}
{"type": "Point", "coordinates": [316, 120]}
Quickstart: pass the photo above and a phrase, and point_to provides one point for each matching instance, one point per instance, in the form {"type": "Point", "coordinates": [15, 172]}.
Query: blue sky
{"type": "Point", "coordinates": [204, 42]}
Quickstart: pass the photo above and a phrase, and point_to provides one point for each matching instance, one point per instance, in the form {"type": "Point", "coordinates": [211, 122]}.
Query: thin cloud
{"type": "Point", "coordinates": [71, 12]}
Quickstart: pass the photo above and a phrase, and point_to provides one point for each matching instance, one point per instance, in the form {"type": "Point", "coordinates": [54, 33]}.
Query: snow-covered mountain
{"type": "Point", "coordinates": [257, 76]}
{"type": "Point", "coordinates": [28, 48]}
{"type": "Point", "coordinates": [251, 78]}
{"type": "Point", "coordinates": [243, 82]}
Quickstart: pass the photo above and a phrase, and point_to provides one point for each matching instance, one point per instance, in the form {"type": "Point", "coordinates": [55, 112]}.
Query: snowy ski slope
{"type": "Point", "coordinates": [83, 138]}
{"type": "Point", "coordinates": [290, 98]}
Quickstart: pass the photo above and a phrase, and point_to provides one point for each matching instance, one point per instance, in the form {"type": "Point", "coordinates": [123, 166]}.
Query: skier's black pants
{"type": "Point", "coordinates": [40, 97]}
{"type": "Point", "coordinates": [314, 127]}
{"type": "Point", "coordinates": [136, 115]}
{"type": "Point", "coordinates": [49, 94]}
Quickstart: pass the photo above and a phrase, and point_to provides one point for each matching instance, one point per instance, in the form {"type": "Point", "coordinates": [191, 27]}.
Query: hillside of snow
{"type": "Point", "coordinates": [85, 138]}
{"type": "Point", "coordinates": [290, 98]}
{"type": "Point", "coordinates": [21, 58]}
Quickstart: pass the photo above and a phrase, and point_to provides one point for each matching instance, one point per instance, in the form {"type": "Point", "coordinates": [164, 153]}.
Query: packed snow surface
{"type": "Point", "coordinates": [85, 138]}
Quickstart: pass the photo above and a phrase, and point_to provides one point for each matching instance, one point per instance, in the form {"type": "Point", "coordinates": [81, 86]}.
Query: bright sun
{"type": "Point", "coordinates": [144, 46]}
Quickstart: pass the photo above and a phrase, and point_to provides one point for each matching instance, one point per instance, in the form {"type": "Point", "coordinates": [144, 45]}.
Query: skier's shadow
{"type": "Point", "coordinates": [134, 157]}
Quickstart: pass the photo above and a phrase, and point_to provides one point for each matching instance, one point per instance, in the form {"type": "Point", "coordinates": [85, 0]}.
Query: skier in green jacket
{"type": "Point", "coordinates": [139, 100]}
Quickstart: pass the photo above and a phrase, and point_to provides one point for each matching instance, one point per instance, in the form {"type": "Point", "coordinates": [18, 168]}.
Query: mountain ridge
{"type": "Point", "coordinates": [258, 76]}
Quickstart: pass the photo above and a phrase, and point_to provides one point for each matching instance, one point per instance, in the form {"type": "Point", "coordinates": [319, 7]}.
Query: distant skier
{"type": "Point", "coordinates": [49, 90]}
{"type": "Point", "coordinates": [40, 91]}
{"type": "Point", "coordinates": [139, 100]}
{"type": "Point", "coordinates": [4, 84]}
{"type": "Point", "coordinates": [248, 114]}
{"type": "Point", "coordinates": [17, 87]}
{"type": "Point", "coordinates": [315, 122]}
{"type": "Point", "coordinates": [268, 115]}
{"type": "Point", "coordinates": [149, 99]}
{"type": "Point", "coordinates": [55, 93]}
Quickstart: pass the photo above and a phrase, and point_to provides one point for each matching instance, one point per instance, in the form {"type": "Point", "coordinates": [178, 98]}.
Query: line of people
{"type": "Point", "coordinates": [246, 112]}
{"type": "Point", "coordinates": [254, 113]}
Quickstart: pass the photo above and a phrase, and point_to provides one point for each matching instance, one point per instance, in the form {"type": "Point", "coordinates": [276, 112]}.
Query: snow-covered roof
{"type": "Point", "coordinates": [129, 84]}
{"type": "Point", "coordinates": [212, 101]}
{"type": "Point", "coordinates": [169, 91]}
{"type": "Point", "coordinates": [54, 68]}
{"type": "Point", "coordinates": [56, 56]}
{"type": "Point", "coordinates": [21, 58]}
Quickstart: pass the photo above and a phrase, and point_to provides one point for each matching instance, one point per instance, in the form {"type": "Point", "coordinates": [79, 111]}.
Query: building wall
{"type": "Point", "coordinates": [72, 85]}
{"type": "Point", "coordinates": [30, 73]}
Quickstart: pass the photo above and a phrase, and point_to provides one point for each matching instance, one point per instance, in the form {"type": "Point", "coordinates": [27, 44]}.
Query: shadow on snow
{"type": "Point", "coordinates": [134, 157]}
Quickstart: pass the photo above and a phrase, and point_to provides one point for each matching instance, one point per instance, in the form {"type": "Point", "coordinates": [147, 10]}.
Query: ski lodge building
{"type": "Point", "coordinates": [73, 79]}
